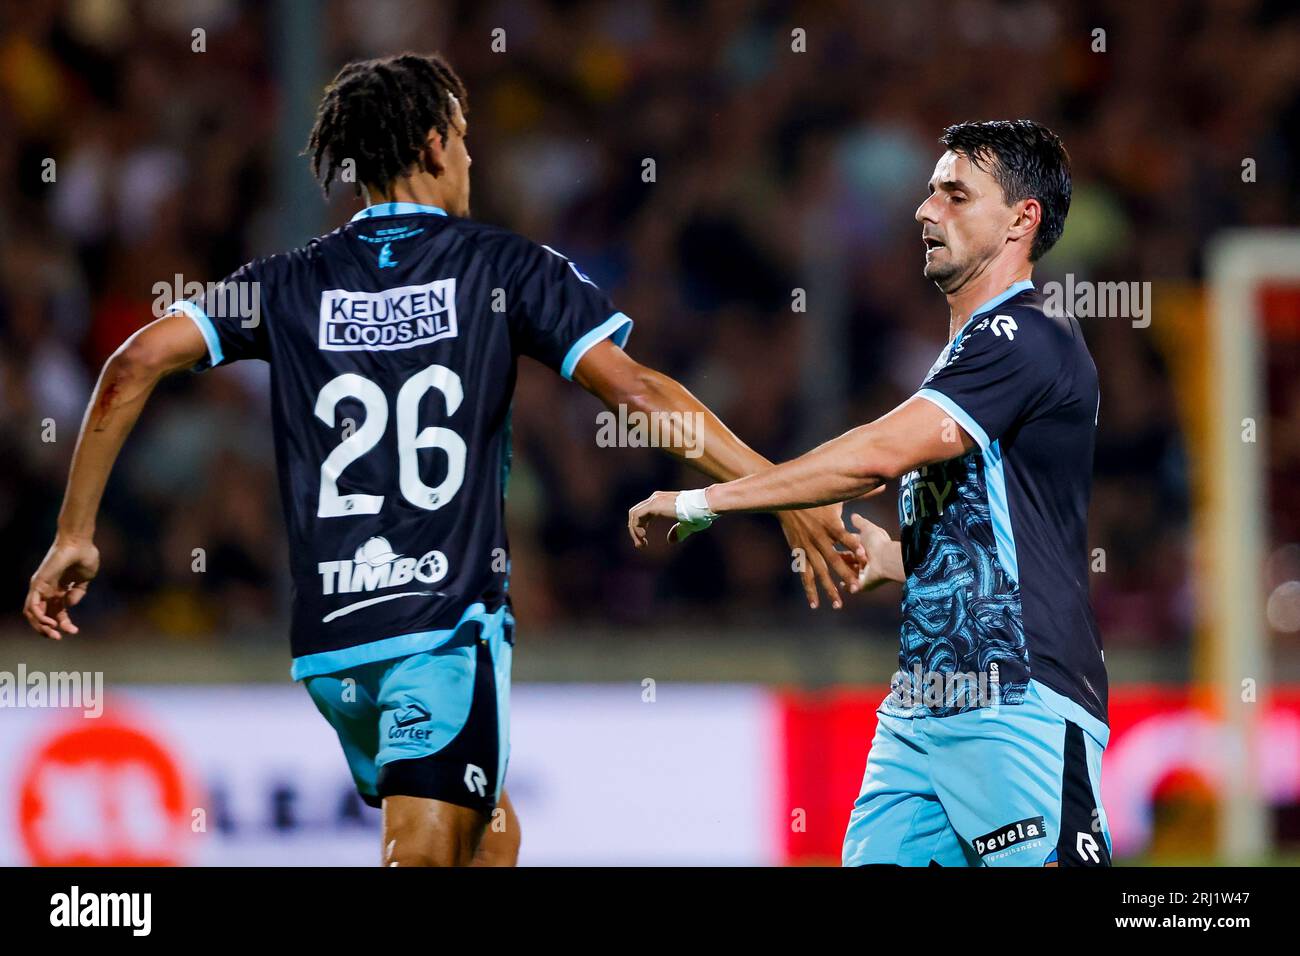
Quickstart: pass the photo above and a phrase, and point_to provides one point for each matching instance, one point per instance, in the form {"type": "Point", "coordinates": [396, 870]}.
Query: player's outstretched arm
{"type": "Point", "coordinates": [858, 462]}
{"type": "Point", "coordinates": [616, 379]}
{"type": "Point", "coordinates": [129, 376]}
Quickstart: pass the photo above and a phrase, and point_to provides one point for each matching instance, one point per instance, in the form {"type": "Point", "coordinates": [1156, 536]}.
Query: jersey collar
{"type": "Point", "coordinates": [397, 209]}
{"type": "Point", "coordinates": [1014, 289]}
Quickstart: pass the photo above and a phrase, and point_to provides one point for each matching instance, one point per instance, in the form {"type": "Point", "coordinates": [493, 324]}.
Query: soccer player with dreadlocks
{"type": "Point", "coordinates": [393, 342]}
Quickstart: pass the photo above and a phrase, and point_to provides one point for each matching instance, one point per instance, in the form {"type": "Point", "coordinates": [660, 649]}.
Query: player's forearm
{"type": "Point", "coordinates": [839, 470]}
{"type": "Point", "coordinates": [129, 376]}
{"type": "Point", "coordinates": [914, 434]}
{"type": "Point", "coordinates": [120, 394]}
{"type": "Point", "coordinates": [690, 431]}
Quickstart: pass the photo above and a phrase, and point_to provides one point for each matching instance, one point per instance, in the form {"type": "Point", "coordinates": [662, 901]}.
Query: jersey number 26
{"type": "Point", "coordinates": [410, 439]}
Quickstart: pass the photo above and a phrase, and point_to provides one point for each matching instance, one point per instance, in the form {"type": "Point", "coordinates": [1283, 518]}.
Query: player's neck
{"type": "Point", "coordinates": [987, 285]}
{"type": "Point", "coordinates": [420, 189]}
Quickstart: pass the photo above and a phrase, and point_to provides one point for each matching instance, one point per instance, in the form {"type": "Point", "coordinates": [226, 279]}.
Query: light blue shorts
{"type": "Point", "coordinates": [433, 724]}
{"type": "Point", "coordinates": [1006, 785]}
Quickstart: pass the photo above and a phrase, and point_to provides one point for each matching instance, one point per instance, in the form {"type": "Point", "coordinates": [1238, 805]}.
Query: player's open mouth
{"type": "Point", "coordinates": [931, 243]}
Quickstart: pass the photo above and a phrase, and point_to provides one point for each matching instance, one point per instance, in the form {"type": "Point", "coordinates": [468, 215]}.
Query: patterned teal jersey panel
{"type": "Point", "coordinates": [963, 636]}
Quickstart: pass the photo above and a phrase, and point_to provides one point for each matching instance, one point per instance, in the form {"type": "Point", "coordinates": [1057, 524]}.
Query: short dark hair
{"type": "Point", "coordinates": [378, 113]}
{"type": "Point", "coordinates": [1028, 160]}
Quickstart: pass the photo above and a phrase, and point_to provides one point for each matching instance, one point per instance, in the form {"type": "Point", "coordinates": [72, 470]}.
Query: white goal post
{"type": "Point", "coordinates": [1239, 262]}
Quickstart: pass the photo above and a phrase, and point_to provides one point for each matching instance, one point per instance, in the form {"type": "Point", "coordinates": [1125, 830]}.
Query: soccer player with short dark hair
{"type": "Point", "coordinates": [988, 746]}
{"type": "Point", "coordinates": [393, 344]}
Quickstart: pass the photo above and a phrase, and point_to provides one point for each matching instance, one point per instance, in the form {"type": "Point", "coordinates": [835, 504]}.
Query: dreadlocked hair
{"type": "Point", "coordinates": [378, 113]}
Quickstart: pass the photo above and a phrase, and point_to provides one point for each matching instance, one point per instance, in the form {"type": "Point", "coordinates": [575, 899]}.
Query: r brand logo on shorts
{"type": "Point", "coordinates": [1005, 838]}
{"type": "Point", "coordinates": [475, 779]}
{"type": "Point", "coordinates": [399, 318]}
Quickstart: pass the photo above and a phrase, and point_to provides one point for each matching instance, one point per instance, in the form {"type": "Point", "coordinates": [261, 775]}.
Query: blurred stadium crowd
{"type": "Point", "coordinates": [774, 171]}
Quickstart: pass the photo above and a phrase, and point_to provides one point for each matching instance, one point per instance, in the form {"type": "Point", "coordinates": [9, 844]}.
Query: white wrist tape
{"type": "Point", "coordinates": [693, 509]}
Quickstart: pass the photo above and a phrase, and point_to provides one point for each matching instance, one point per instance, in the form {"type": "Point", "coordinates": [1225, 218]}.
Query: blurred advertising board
{"type": "Point", "coordinates": [601, 774]}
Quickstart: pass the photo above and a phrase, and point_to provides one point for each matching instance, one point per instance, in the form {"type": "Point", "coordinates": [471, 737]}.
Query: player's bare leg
{"type": "Point", "coordinates": [418, 831]}
{"type": "Point", "coordinates": [500, 844]}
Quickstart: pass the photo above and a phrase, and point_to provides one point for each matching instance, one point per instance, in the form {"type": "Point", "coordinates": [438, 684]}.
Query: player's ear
{"type": "Point", "coordinates": [1028, 213]}
{"type": "Point", "coordinates": [431, 157]}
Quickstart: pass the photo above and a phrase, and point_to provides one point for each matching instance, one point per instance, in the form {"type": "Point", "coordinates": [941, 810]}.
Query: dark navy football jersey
{"type": "Point", "coordinates": [995, 542]}
{"type": "Point", "coordinates": [392, 343]}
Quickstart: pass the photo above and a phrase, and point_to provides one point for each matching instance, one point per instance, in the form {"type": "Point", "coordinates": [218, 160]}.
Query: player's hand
{"type": "Point", "coordinates": [882, 555]}
{"type": "Point", "coordinates": [661, 504]}
{"type": "Point", "coordinates": [59, 584]}
{"type": "Point", "coordinates": [812, 534]}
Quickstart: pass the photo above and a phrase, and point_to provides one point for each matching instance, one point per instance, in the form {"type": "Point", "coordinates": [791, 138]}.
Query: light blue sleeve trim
{"type": "Point", "coordinates": [206, 329]}
{"type": "Point", "coordinates": [959, 415]}
{"type": "Point", "coordinates": [617, 327]}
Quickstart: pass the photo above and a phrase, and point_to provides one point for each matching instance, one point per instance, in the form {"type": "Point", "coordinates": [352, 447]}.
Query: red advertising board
{"type": "Point", "coordinates": [1159, 737]}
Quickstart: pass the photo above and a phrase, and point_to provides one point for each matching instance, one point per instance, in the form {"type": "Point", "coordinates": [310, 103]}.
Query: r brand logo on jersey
{"type": "Point", "coordinates": [1004, 325]}
{"type": "Point", "coordinates": [376, 567]}
{"type": "Point", "coordinates": [1000, 324]}
{"type": "Point", "coordinates": [399, 318]}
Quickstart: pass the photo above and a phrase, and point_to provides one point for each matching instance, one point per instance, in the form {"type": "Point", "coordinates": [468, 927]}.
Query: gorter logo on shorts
{"type": "Point", "coordinates": [1004, 839]}
{"type": "Point", "coordinates": [412, 714]}
{"type": "Point", "coordinates": [400, 318]}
